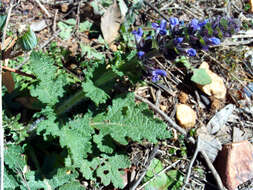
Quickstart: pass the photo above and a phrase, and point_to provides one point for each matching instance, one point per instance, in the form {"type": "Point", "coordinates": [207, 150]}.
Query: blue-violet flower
{"type": "Point", "coordinates": [157, 73]}
{"type": "Point", "coordinates": [173, 21]}
{"type": "Point", "coordinates": [178, 40]}
{"type": "Point", "coordinates": [203, 23]}
{"type": "Point", "coordinates": [214, 40]}
{"type": "Point", "coordinates": [191, 52]}
{"type": "Point", "coordinates": [140, 54]}
{"type": "Point", "coordinates": [195, 24]}
{"type": "Point", "coordinates": [161, 29]}
{"type": "Point", "coordinates": [138, 35]}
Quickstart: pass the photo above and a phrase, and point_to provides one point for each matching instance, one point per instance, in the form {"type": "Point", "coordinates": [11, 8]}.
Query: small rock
{"type": "Point", "coordinates": [64, 7]}
{"type": "Point", "coordinates": [163, 108]}
{"type": "Point", "coordinates": [217, 87]}
{"type": "Point", "coordinates": [183, 97]}
{"type": "Point", "coordinates": [186, 116]}
{"type": "Point", "coordinates": [38, 26]}
{"type": "Point", "coordinates": [235, 164]}
{"type": "Point", "coordinates": [216, 104]}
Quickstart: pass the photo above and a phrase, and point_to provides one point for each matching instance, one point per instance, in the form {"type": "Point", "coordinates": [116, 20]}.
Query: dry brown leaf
{"type": "Point", "coordinates": [8, 81]}
{"type": "Point", "coordinates": [110, 22]}
{"type": "Point", "coordinates": [251, 5]}
{"type": "Point", "coordinates": [28, 102]}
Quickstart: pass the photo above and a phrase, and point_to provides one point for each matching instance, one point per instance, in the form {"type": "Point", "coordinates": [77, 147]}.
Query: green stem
{"type": "Point", "coordinates": [101, 82]}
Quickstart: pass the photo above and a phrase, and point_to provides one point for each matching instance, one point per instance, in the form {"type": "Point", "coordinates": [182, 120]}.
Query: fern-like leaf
{"type": "Point", "coordinates": [96, 94]}
{"type": "Point", "coordinates": [76, 135]}
{"type": "Point", "coordinates": [50, 86]}
{"type": "Point", "coordinates": [125, 120]}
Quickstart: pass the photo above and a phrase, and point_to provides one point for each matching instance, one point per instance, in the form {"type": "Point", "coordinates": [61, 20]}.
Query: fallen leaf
{"type": "Point", "coordinates": [8, 81]}
{"type": "Point", "coordinates": [251, 5]}
{"type": "Point", "coordinates": [110, 22]}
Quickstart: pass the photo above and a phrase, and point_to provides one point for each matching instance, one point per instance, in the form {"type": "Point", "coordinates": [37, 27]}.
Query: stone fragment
{"type": "Point", "coordinates": [186, 116]}
{"type": "Point", "coordinates": [64, 7]}
{"type": "Point", "coordinates": [183, 97]}
{"type": "Point", "coordinates": [235, 164]}
{"type": "Point", "coordinates": [217, 87]}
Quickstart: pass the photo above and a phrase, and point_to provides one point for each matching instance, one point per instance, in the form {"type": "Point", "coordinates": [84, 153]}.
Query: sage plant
{"type": "Point", "coordinates": [177, 38]}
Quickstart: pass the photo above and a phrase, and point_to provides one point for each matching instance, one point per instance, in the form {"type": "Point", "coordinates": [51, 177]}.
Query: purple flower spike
{"type": "Point", "coordinates": [195, 24]}
{"type": "Point", "coordinates": [140, 54]}
{"type": "Point", "coordinates": [173, 21]}
{"type": "Point", "coordinates": [157, 73]}
{"type": "Point", "coordinates": [191, 52]}
{"type": "Point", "coordinates": [203, 23]}
{"type": "Point", "coordinates": [178, 40]}
{"type": "Point", "coordinates": [138, 35]}
{"type": "Point", "coordinates": [161, 29]}
{"type": "Point", "coordinates": [214, 40]}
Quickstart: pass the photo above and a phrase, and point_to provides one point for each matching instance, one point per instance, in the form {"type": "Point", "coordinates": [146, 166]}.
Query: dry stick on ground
{"type": "Point", "coordinates": [156, 10]}
{"type": "Point", "coordinates": [135, 184]}
{"type": "Point", "coordinates": [18, 72]}
{"type": "Point", "coordinates": [1, 107]}
{"type": "Point", "coordinates": [197, 149]}
{"type": "Point", "coordinates": [43, 8]}
{"type": "Point", "coordinates": [191, 139]}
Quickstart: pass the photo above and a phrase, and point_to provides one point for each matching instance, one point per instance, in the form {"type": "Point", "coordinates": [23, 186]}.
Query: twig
{"type": "Point", "coordinates": [1, 104]}
{"type": "Point", "coordinates": [171, 122]}
{"type": "Point", "coordinates": [18, 72]}
{"type": "Point", "coordinates": [54, 22]}
{"type": "Point", "coordinates": [191, 164]}
{"type": "Point", "coordinates": [6, 24]}
{"type": "Point", "coordinates": [78, 16]}
{"type": "Point", "coordinates": [43, 8]}
{"type": "Point", "coordinates": [151, 157]}
{"type": "Point", "coordinates": [159, 173]}
{"type": "Point", "coordinates": [158, 95]}
{"type": "Point", "coordinates": [156, 10]}
{"type": "Point", "coordinates": [191, 139]}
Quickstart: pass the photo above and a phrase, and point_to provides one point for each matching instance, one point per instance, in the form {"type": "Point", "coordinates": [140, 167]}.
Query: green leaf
{"type": "Point", "coordinates": [76, 136]}
{"type": "Point", "coordinates": [2, 21]}
{"type": "Point", "coordinates": [28, 41]}
{"type": "Point", "coordinates": [9, 181]}
{"type": "Point", "coordinates": [124, 120]}
{"type": "Point", "coordinates": [63, 176]}
{"type": "Point", "coordinates": [176, 179]}
{"type": "Point", "coordinates": [123, 7]}
{"type": "Point", "coordinates": [32, 182]}
{"type": "Point", "coordinates": [201, 77]}
{"type": "Point", "coordinates": [85, 26]}
{"type": "Point", "coordinates": [184, 61]}
{"type": "Point", "coordinates": [161, 182]}
{"type": "Point", "coordinates": [91, 53]}
{"type": "Point", "coordinates": [50, 86]}
{"type": "Point", "coordinates": [74, 185]}
{"type": "Point", "coordinates": [100, 5]}
{"type": "Point", "coordinates": [66, 30]}
{"type": "Point", "coordinates": [209, 28]}
{"type": "Point", "coordinates": [13, 157]}
{"type": "Point", "coordinates": [96, 94]}
{"type": "Point", "coordinates": [108, 170]}
{"type": "Point", "coordinates": [224, 23]}
{"type": "Point", "coordinates": [71, 21]}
